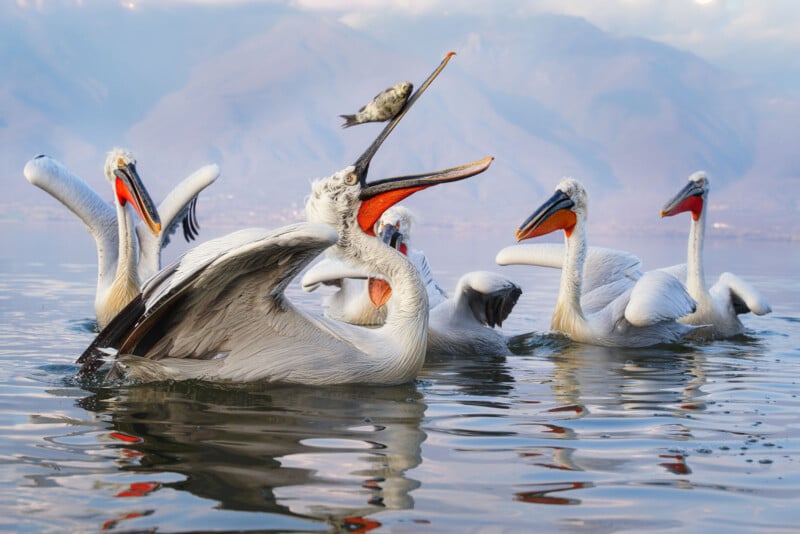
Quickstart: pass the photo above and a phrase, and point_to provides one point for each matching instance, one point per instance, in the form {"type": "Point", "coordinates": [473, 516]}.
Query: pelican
{"type": "Point", "coordinates": [220, 313]}
{"type": "Point", "coordinates": [127, 254]}
{"type": "Point", "coordinates": [461, 325]}
{"type": "Point", "coordinates": [730, 296]}
{"type": "Point", "coordinates": [352, 302]}
{"type": "Point", "coordinates": [622, 307]}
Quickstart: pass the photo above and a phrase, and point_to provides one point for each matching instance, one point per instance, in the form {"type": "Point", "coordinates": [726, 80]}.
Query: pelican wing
{"type": "Point", "coordinates": [99, 216]}
{"type": "Point", "coordinates": [194, 307]}
{"type": "Point", "coordinates": [489, 296]}
{"type": "Point", "coordinates": [658, 296]}
{"type": "Point", "coordinates": [537, 254]}
{"type": "Point", "coordinates": [436, 295]}
{"type": "Point", "coordinates": [602, 266]}
{"type": "Point", "coordinates": [742, 295]}
{"type": "Point", "coordinates": [178, 207]}
{"type": "Point", "coordinates": [678, 271]}
{"type": "Point", "coordinates": [329, 271]}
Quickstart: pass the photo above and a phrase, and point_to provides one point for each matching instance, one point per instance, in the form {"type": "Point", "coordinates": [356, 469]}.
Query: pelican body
{"type": "Point", "coordinates": [624, 307]}
{"type": "Point", "coordinates": [459, 325]}
{"type": "Point", "coordinates": [220, 313]}
{"type": "Point", "coordinates": [127, 253]}
{"type": "Point", "coordinates": [383, 107]}
{"type": "Point", "coordinates": [730, 296]}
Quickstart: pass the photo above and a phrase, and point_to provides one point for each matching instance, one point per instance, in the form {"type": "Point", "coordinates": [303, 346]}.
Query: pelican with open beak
{"type": "Point", "coordinates": [221, 314]}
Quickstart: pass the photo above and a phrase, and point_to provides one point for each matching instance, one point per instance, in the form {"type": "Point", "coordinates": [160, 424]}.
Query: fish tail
{"type": "Point", "coordinates": [349, 120]}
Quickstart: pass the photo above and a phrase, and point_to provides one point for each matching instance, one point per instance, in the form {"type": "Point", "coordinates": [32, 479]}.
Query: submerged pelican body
{"type": "Point", "coordinates": [220, 313]}
{"type": "Point", "coordinates": [459, 325]}
{"type": "Point", "coordinates": [127, 253]}
{"type": "Point", "coordinates": [622, 307]}
{"type": "Point", "coordinates": [720, 306]}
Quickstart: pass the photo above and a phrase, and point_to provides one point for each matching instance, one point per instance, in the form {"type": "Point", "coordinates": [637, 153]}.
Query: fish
{"type": "Point", "coordinates": [383, 107]}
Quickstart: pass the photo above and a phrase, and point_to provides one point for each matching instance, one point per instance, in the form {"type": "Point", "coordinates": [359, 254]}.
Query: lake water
{"type": "Point", "coordinates": [559, 437]}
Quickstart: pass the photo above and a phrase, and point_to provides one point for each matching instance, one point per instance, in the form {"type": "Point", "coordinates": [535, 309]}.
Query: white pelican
{"type": "Point", "coordinates": [127, 254]}
{"type": "Point", "coordinates": [622, 307]}
{"type": "Point", "coordinates": [461, 325]}
{"type": "Point", "coordinates": [220, 313]}
{"type": "Point", "coordinates": [730, 296]}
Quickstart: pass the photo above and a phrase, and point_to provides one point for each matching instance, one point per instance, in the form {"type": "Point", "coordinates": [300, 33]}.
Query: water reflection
{"type": "Point", "coordinates": [655, 379]}
{"type": "Point", "coordinates": [331, 454]}
{"type": "Point", "coordinates": [476, 375]}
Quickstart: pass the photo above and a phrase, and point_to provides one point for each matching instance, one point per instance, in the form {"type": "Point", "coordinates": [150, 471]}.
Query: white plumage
{"type": "Point", "coordinates": [719, 306]}
{"type": "Point", "coordinates": [615, 304]}
{"type": "Point", "coordinates": [220, 313]}
{"type": "Point", "coordinates": [127, 253]}
{"type": "Point", "coordinates": [459, 325]}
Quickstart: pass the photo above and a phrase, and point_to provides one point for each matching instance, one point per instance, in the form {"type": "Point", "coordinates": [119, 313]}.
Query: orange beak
{"type": "Point", "coordinates": [129, 188]}
{"type": "Point", "coordinates": [554, 214]}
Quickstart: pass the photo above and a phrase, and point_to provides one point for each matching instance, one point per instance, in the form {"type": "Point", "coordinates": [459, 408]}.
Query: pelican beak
{"type": "Point", "coordinates": [379, 196]}
{"type": "Point", "coordinates": [690, 198]}
{"type": "Point", "coordinates": [362, 164]}
{"type": "Point", "coordinates": [379, 291]}
{"type": "Point", "coordinates": [555, 214]}
{"type": "Point", "coordinates": [393, 237]}
{"type": "Point", "coordinates": [129, 188]}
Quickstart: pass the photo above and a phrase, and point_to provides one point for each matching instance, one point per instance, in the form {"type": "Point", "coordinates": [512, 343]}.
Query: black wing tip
{"type": "Point", "coordinates": [191, 228]}
{"type": "Point", "coordinates": [501, 307]}
{"type": "Point", "coordinates": [112, 336]}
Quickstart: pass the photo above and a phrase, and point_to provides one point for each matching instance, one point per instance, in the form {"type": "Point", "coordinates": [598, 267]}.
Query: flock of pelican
{"type": "Point", "coordinates": [220, 312]}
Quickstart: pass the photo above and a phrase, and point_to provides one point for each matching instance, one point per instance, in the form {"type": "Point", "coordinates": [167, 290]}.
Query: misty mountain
{"type": "Point", "coordinates": [258, 90]}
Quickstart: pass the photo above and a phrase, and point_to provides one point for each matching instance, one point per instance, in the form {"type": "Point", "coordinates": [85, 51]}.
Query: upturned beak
{"type": "Point", "coordinates": [129, 188]}
{"type": "Point", "coordinates": [379, 196]}
{"type": "Point", "coordinates": [690, 198]}
{"type": "Point", "coordinates": [555, 214]}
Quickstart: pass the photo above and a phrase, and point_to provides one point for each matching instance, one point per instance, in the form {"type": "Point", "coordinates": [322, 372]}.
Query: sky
{"type": "Point", "coordinates": [618, 93]}
{"type": "Point", "coordinates": [756, 37]}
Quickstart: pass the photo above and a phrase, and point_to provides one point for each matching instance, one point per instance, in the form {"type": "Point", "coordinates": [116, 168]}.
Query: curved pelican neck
{"type": "Point", "coordinates": [121, 286]}
{"type": "Point", "coordinates": [407, 321]}
{"type": "Point", "coordinates": [695, 277]}
{"type": "Point", "coordinates": [408, 290]}
{"type": "Point", "coordinates": [568, 306]}
{"type": "Point", "coordinates": [128, 244]}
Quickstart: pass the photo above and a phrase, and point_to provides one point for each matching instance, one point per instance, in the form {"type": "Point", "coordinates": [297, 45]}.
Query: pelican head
{"type": "Point", "coordinates": [560, 212]}
{"type": "Point", "coordinates": [394, 227]}
{"type": "Point", "coordinates": [120, 169]}
{"type": "Point", "coordinates": [334, 200]}
{"type": "Point", "coordinates": [691, 198]}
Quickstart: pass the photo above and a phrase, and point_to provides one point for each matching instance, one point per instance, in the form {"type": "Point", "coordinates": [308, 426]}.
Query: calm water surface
{"type": "Point", "coordinates": [559, 437]}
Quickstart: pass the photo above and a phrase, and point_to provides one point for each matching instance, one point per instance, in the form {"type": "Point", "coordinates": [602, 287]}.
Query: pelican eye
{"type": "Point", "coordinates": [351, 179]}
{"type": "Point", "coordinates": [120, 162]}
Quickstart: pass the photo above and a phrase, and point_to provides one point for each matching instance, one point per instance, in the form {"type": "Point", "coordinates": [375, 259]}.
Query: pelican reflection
{"type": "Point", "coordinates": [329, 454]}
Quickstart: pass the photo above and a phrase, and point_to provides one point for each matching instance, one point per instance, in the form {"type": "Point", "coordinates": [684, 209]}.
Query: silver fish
{"type": "Point", "coordinates": [383, 107]}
